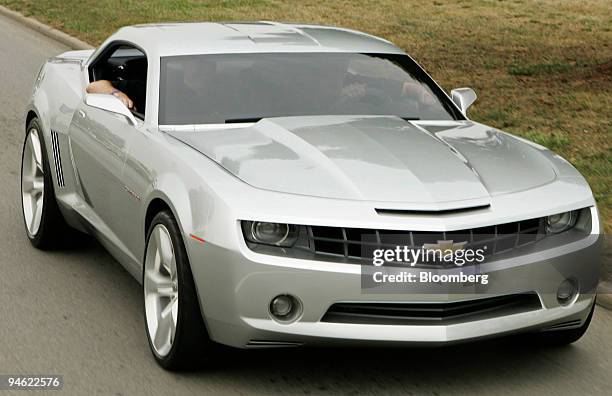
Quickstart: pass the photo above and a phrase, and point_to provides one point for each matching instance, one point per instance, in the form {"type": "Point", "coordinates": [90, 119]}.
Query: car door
{"type": "Point", "coordinates": [100, 140]}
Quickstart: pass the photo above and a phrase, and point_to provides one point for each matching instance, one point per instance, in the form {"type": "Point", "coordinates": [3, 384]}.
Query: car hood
{"type": "Point", "coordinates": [384, 159]}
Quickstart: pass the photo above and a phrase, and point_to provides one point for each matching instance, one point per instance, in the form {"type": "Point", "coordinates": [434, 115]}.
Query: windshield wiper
{"type": "Point", "coordinates": [256, 119]}
{"type": "Point", "coordinates": [242, 120]}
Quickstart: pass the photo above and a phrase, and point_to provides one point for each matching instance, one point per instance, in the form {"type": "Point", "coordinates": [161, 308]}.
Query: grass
{"type": "Point", "coordinates": [542, 69]}
{"type": "Point", "coordinates": [554, 141]}
{"type": "Point", "coordinates": [539, 69]}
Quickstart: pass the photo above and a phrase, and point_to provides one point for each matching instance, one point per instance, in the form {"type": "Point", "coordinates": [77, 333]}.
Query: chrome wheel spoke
{"type": "Point", "coordinates": [165, 250]}
{"type": "Point", "coordinates": [38, 186]}
{"type": "Point", "coordinates": [37, 214]}
{"type": "Point", "coordinates": [37, 153]}
{"type": "Point", "coordinates": [169, 308]}
{"type": "Point", "coordinates": [161, 285]}
{"type": "Point", "coordinates": [163, 333]}
{"type": "Point", "coordinates": [33, 185]}
{"type": "Point", "coordinates": [27, 183]}
{"type": "Point", "coordinates": [167, 289]}
{"type": "Point", "coordinates": [152, 277]}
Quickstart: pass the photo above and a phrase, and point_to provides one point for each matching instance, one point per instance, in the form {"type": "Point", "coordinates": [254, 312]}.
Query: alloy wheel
{"type": "Point", "coordinates": [32, 182]}
{"type": "Point", "coordinates": [161, 290]}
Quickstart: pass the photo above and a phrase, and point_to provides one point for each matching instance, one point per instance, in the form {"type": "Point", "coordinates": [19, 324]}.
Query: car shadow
{"type": "Point", "coordinates": [460, 368]}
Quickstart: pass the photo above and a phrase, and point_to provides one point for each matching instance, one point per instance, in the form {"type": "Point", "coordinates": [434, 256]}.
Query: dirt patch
{"type": "Point", "coordinates": [603, 71]}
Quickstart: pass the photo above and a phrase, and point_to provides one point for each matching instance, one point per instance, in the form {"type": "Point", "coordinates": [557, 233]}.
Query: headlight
{"type": "Point", "coordinates": [276, 234]}
{"type": "Point", "coordinates": [561, 222]}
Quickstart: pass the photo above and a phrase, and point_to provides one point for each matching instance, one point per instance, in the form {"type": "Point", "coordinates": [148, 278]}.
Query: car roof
{"type": "Point", "coordinates": [171, 39]}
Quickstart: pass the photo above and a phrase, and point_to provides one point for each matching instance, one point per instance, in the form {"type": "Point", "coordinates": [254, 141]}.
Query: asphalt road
{"type": "Point", "coordinates": [77, 313]}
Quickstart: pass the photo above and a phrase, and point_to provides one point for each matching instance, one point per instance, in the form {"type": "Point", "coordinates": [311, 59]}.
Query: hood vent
{"type": "Point", "coordinates": [409, 212]}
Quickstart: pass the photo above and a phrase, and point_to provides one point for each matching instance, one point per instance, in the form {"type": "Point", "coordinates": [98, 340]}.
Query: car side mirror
{"type": "Point", "coordinates": [111, 104]}
{"type": "Point", "coordinates": [463, 98]}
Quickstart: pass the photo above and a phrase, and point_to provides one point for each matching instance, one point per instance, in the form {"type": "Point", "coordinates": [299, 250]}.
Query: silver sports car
{"type": "Point", "coordinates": [271, 183]}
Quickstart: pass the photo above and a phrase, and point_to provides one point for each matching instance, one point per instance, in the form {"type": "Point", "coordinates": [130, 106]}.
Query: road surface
{"type": "Point", "coordinates": [77, 313]}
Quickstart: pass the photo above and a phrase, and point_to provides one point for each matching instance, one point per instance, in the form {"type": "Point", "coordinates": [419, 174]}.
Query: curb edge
{"type": "Point", "coordinates": [47, 30]}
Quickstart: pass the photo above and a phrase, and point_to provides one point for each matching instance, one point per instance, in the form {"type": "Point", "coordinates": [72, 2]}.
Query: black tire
{"type": "Point", "coordinates": [563, 337]}
{"type": "Point", "coordinates": [191, 347]}
{"type": "Point", "coordinates": [53, 231]}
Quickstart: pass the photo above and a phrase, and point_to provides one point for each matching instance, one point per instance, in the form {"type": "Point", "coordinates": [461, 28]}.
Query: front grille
{"type": "Point", "coordinates": [358, 243]}
{"type": "Point", "coordinates": [431, 313]}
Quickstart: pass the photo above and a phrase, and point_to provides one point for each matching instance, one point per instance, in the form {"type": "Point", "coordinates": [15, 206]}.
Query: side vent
{"type": "Point", "coordinates": [272, 344]}
{"type": "Point", "coordinates": [57, 159]}
{"type": "Point", "coordinates": [564, 325]}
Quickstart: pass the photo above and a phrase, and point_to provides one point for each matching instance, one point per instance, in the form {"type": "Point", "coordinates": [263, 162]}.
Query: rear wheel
{"type": "Point", "coordinates": [43, 220]}
{"type": "Point", "coordinates": [174, 324]}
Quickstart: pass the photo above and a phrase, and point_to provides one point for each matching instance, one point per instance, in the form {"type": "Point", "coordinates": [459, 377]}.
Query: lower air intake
{"type": "Point", "coordinates": [431, 313]}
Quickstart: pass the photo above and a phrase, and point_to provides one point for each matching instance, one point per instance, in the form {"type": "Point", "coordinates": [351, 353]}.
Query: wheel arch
{"type": "Point", "coordinates": [39, 110]}
{"type": "Point", "coordinates": [176, 202]}
{"type": "Point", "coordinates": [29, 117]}
{"type": "Point", "coordinates": [156, 205]}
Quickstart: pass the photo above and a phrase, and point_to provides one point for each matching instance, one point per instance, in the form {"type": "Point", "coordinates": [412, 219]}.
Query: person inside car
{"type": "Point", "coordinates": [118, 89]}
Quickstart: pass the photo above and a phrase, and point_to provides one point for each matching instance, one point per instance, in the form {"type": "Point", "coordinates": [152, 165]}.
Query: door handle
{"type": "Point", "coordinates": [82, 114]}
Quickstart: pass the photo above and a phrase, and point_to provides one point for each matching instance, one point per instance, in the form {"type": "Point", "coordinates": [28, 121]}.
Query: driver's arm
{"type": "Point", "coordinates": [106, 87]}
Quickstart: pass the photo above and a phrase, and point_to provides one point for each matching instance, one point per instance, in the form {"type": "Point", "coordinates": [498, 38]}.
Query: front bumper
{"type": "Point", "coordinates": [235, 287]}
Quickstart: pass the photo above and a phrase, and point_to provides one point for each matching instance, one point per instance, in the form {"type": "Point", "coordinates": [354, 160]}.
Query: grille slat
{"type": "Point", "coordinates": [350, 242]}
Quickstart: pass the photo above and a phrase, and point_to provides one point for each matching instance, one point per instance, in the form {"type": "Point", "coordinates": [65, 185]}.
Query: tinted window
{"type": "Point", "coordinates": [205, 89]}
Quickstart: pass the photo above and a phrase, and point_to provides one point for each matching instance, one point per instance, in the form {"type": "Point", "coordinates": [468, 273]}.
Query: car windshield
{"type": "Point", "coordinates": [227, 88]}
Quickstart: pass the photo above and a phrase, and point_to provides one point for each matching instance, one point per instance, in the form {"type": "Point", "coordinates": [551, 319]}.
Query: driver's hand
{"type": "Point", "coordinates": [354, 91]}
{"type": "Point", "coordinates": [127, 102]}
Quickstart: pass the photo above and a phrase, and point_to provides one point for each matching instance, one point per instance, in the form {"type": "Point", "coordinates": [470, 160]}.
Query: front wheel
{"type": "Point", "coordinates": [174, 324]}
{"type": "Point", "coordinates": [43, 220]}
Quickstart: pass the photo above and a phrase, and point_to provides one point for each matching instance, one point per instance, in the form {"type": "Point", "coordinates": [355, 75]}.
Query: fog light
{"type": "Point", "coordinates": [566, 292]}
{"type": "Point", "coordinates": [285, 308]}
{"type": "Point", "coordinates": [281, 306]}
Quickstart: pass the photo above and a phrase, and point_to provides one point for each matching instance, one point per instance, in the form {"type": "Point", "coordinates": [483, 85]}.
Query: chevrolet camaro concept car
{"type": "Point", "coordinates": [264, 165]}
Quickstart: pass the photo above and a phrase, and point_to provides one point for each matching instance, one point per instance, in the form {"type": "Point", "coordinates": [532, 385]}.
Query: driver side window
{"type": "Point", "coordinates": [125, 66]}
